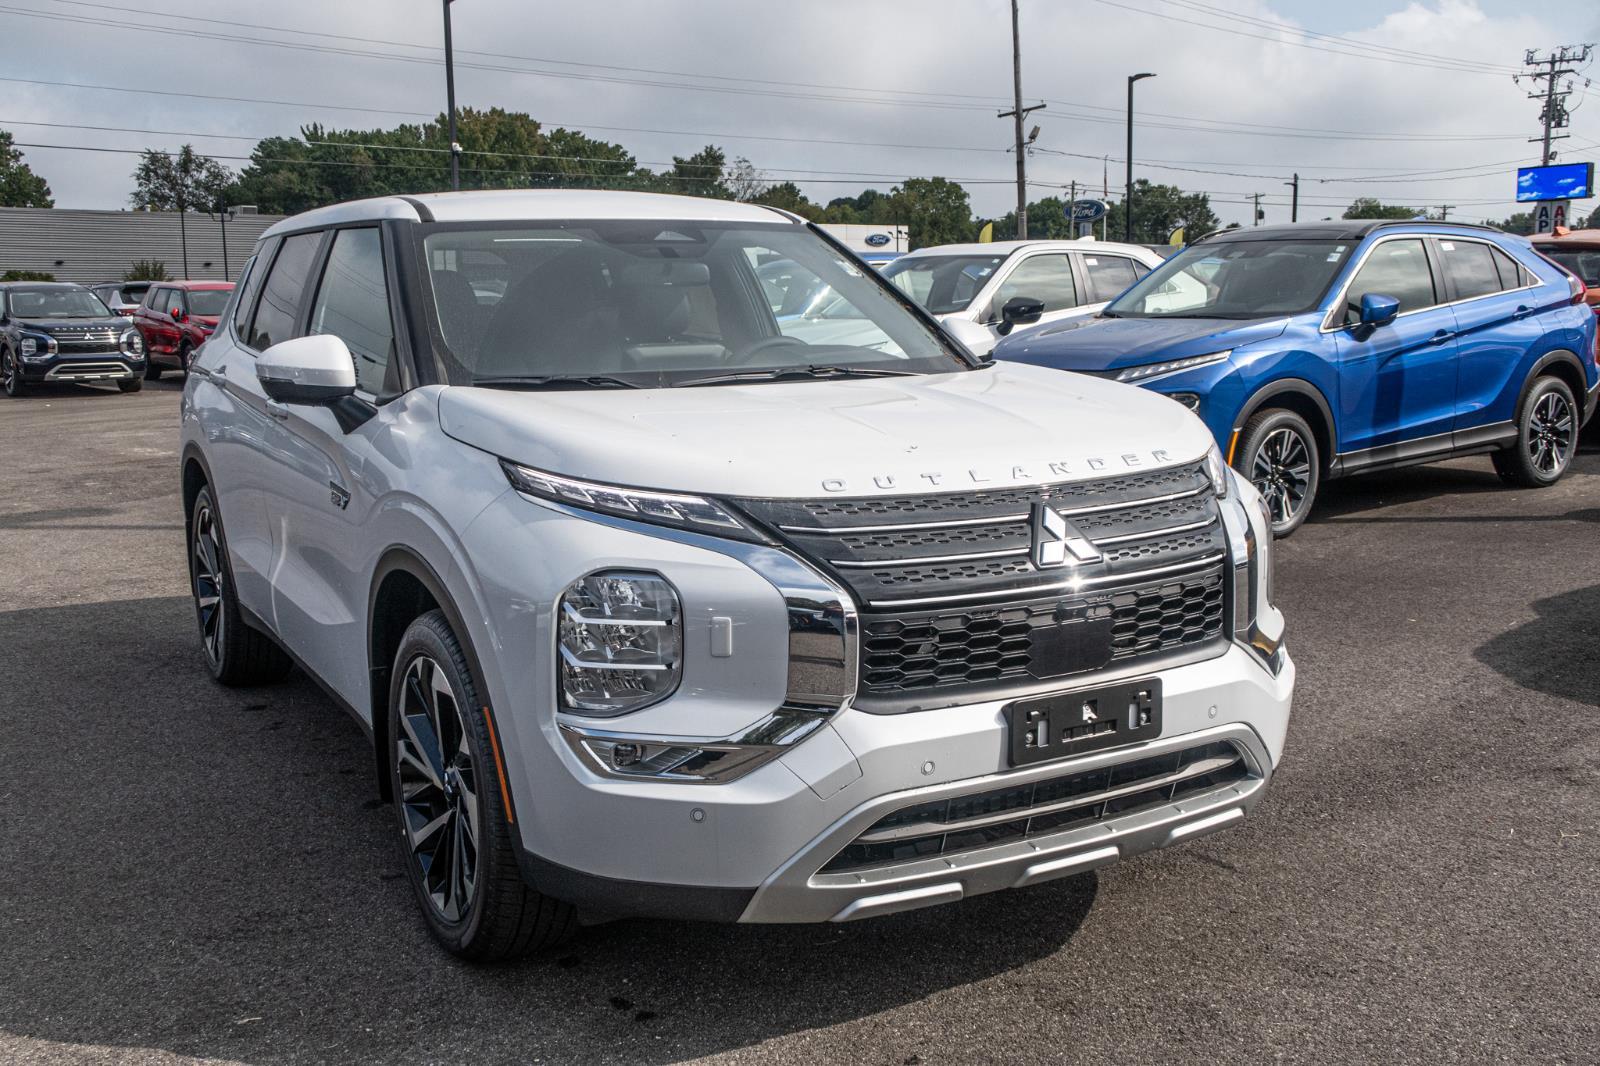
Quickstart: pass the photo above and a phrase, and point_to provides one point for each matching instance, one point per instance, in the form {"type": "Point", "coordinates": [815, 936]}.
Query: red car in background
{"type": "Point", "coordinates": [175, 318]}
{"type": "Point", "coordinates": [1578, 250]}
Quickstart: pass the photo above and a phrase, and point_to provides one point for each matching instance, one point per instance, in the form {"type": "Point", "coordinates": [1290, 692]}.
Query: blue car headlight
{"type": "Point", "coordinates": [1172, 366]}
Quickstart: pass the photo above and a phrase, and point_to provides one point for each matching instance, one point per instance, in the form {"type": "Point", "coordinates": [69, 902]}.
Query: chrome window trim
{"type": "Point", "coordinates": [1338, 304]}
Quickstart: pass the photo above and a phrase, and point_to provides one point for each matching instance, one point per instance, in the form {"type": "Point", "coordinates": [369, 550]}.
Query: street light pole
{"type": "Point", "coordinates": [1018, 112]}
{"type": "Point", "coordinates": [450, 92]}
{"type": "Point", "coordinates": [1127, 191]}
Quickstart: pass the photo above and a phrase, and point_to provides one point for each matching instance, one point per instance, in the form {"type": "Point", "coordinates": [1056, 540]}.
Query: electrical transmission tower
{"type": "Point", "coordinates": [1561, 63]}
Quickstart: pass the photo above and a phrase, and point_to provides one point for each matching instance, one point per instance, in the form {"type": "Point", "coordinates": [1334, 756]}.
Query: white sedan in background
{"type": "Point", "coordinates": [983, 291]}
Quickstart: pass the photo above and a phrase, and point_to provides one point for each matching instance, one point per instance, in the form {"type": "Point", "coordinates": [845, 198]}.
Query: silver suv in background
{"type": "Point", "coordinates": [652, 607]}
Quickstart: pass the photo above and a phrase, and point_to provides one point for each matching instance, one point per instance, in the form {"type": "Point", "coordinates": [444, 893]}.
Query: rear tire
{"type": "Point", "coordinates": [1547, 437]}
{"type": "Point", "coordinates": [11, 375]}
{"type": "Point", "coordinates": [1278, 454]}
{"type": "Point", "coordinates": [131, 384]}
{"type": "Point", "coordinates": [455, 837]}
{"type": "Point", "coordinates": [152, 372]}
{"type": "Point", "coordinates": [236, 653]}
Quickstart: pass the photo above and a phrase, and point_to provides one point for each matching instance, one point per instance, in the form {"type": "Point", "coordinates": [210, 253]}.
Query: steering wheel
{"type": "Point", "coordinates": [746, 355]}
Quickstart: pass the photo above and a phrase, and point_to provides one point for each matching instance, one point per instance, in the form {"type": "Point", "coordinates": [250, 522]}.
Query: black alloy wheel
{"type": "Point", "coordinates": [438, 789]}
{"type": "Point", "coordinates": [11, 374]}
{"type": "Point", "coordinates": [1547, 436]}
{"type": "Point", "coordinates": [1278, 455]}
{"type": "Point", "coordinates": [210, 582]}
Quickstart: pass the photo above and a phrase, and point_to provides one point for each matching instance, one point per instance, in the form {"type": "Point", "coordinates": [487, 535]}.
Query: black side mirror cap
{"type": "Point", "coordinates": [1019, 311]}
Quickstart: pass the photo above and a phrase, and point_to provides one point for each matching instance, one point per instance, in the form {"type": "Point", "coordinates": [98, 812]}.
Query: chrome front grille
{"type": "Point", "coordinates": [949, 593]}
{"type": "Point", "coordinates": [80, 340]}
{"type": "Point", "coordinates": [997, 816]}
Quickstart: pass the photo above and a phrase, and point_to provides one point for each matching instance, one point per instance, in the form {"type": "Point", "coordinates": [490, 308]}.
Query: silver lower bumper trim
{"type": "Point", "coordinates": [799, 893]}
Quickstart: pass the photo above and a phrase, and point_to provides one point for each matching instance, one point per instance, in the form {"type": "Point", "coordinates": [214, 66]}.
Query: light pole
{"type": "Point", "coordinates": [1127, 191]}
{"type": "Point", "coordinates": [450, 93]}
{"type": "Point", "coordinates": [1018, 112]}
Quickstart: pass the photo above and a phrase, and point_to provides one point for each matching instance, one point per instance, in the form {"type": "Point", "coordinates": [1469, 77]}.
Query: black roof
{"type": "Point", "coordinates": [1334, 230]}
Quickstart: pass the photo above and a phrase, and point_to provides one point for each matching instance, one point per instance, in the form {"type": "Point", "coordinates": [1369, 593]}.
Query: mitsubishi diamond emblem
{"type": "Point", "coordinates": [1055, 542]}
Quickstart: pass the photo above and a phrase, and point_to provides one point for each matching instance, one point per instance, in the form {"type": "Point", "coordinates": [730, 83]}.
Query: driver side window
{"type": "Point", "coordinates": [1039, 277]}
{"type": "Point", "coordinates": [1397, 268]}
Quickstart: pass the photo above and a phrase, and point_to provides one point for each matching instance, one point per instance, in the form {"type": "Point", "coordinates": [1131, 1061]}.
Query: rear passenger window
{"type": "Point", "coordinates": [1397, 268]}
{"type": "Point", "coordinates": [1472, 267]}
{"type": "Point", "coordinates": [1510, 273]}
{"type": "Point", "coordinates": [249, 284]}
{"type": "Point", "coordinates": [1108, 275]}
{"type": "Point", "coordinates": [282, 291]}
{"type": "Point", "coordinates": [353, 304]}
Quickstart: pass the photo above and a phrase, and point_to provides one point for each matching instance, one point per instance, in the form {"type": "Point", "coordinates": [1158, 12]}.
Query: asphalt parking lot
{"type": "Point", "coordinates": [196, 872]}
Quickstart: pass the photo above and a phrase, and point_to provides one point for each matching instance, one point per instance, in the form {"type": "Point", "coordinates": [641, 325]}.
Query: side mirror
{"type": "Point", "coordinates": [178, 315]}
{"type": "Point", "coordinates": [1378, 310]}
{"type": "Point", "coordinates": [1019, 311]}
{"type": "Point", "coordinates": [316, 371]}
{"type": "Point", "coordinates": [977, 339]}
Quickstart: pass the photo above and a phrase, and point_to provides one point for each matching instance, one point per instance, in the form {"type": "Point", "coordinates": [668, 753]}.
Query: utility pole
{"type": "Point", "coordinates": [1444, 212]}
{"type": "Point", "coordinates": [450, 93]}
{"type": "Point", "coordinates": [1072, 198]}
{"type": "Point", "coordinates": [222, 220]}
{"type": "Point", "coordinates": [1553, 114]}
{"type": "Point", "coordinates": [1294, 199]}
{"type": "Point", "coordinates": [1016, 113]}
{"type": "Point", "coordinates": [1255, 212]}
{"type": "Point", "coordinates": [1127, 191]}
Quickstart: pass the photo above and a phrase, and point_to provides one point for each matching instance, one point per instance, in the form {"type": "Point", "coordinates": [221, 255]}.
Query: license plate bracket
{"type": "Point", "coordinates": [1065, 724]}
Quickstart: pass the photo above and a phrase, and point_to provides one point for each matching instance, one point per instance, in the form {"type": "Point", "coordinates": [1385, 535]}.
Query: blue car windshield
{"type": "Point", "coordinates": [1237, 279]}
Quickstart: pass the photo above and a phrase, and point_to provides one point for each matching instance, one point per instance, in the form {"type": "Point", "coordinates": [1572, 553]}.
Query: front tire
{"type": "Point", "coordinates": [1278, 454]}
{"type": "Point", "coordinates": [11, 375]}
{"type": "Point", "coordinates": [455, 834]}
{"type": "Point", "coordinates": [185, 358]}
{"type": "Point", "coordinates": [131, 384]}
{"type": "Point", "coordinates": [1547, 437]}
{"type": "Point", "coordinates": [235, 653]}
{"type": "Point", "coordinates": [152, 372]}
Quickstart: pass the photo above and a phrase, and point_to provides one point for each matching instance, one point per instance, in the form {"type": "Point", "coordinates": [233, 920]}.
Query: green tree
{"type": "Point", "coordinates": [179, 181]}
{"type": "Point", "coordinates": [1371, 207]}
{"type": "Point", "coordinates": [27, 275]}
{"type": "Point", "coordinates": [1521, 222]}
{"type": "Point", "coordinates": [147, 270]}
{"type": "Point", "coordinates": [701, 174]}
{"type": "Point", "coordinates": [788, 197]}
{"type": "Point", "coordinates": [868, 207]}
{"type": "Point", "coordinates": [935, 210]}
{"type": "Point", "coordinates": [1047, 221]}
{"type": "Point", "coordinates": [500, 149]}
{"type": "Point", "coordinates": [19, 185]}
{"type": "Point", "coordinates": [1157, 211]}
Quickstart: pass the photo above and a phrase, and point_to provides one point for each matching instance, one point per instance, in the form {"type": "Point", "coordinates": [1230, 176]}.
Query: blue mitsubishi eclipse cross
{"type": "Point", "coordinates": [1319, 349]}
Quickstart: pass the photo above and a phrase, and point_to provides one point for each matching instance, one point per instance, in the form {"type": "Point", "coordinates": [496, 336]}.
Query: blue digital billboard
{"type": "Point", "coordinates": [1564, 181]}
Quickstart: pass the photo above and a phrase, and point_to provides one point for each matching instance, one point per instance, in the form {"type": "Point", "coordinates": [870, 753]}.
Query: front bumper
{"type": "Point", "coordinates": [754, 850]}
{"type": "Point", "coordinates": [82, 368]}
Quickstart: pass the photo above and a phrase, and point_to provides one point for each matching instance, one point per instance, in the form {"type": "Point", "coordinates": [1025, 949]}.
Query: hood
{"type": "Point", "coordinates": [53, 326]}
{"type": "Point", "coordinates": [1113, 343]}
{"type": "Point", "coordinates": [990, 428]}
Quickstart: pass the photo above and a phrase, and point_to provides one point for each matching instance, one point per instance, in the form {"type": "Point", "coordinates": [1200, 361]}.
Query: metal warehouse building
{"type": "Point", "coordinates": [91, 246]}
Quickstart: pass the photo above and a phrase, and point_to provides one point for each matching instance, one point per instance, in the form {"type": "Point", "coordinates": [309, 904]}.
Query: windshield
{"type": "Point", "coordinates": [56, 303]}
{"type": "Point", "coordinates": [1584, 262]}
{"type": "Point", "coordinates": [208, 302]}
{"type": "Point", "coordinates": [1237, 279]}
{"type": "Point", "coordinates": [942, 283]}
{"type": "Point", "coordinates": [661, 303]}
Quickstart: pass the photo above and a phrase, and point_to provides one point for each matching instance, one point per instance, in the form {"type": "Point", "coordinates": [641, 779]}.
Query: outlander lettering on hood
{"type": "Point", "coordinates": [1060, 470]}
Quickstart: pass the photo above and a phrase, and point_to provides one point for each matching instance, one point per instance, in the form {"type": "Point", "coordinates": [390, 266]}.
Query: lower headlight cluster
{"type": "Point", "coordinates": [132, 344]}
{"type": "Point", "coordinates": [620, 637]}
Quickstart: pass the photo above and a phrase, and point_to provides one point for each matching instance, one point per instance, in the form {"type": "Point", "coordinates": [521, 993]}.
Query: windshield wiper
{"type": "Point", "coordinates": [798, 373]}
{"type": "Point", "coordinates": [556, 381]}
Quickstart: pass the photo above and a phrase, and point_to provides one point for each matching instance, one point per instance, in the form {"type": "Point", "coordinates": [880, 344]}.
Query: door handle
{"type": "Point", "coordinates": [1440, 337]}
{"type": "Point", "coordinates": [1522, 311]}
{"type": "Point", "coordinates": [277, 410]}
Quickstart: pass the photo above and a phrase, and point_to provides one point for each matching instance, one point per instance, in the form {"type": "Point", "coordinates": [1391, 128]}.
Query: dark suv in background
{"type": "Point", "coordinates": [177, 317]}
{"type": "Point", "coordinates": [54, 331]}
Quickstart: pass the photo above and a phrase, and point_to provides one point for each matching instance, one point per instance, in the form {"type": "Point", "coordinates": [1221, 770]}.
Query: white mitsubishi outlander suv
{"type": "Point", "coordinates": [652, 609]}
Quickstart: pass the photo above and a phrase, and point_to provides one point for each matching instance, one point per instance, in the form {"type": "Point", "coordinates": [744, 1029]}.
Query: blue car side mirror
{"type": "Point", "coordinates": [1378, 310]}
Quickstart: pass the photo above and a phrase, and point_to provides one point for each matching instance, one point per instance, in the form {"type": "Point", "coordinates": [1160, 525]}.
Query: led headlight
{"type": "Point", "coordinates": [28, 346]}
{"type": "Point", "coordinates": [1217, 473]}
{"type": "Point", "coordinates": [682, 511]}
{"type": "Point", "coordinates": [620, 642]}
{"type": "Point", "coordinates": [36, 347]}
{"type": "Point", "coordinates": [132, 344]}
{"type": "Point", "coordinates": [1171, 366]}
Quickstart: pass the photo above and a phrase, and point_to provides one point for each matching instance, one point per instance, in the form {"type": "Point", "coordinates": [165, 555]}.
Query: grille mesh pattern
{"type": "Point", "coordinates": [1068, 802]}
{"type": "Point", "coordinates": [929, 650]}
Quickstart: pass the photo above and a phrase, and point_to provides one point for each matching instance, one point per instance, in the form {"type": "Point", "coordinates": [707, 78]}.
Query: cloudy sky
{"type": "Point", "coordinates": [1410, 102]}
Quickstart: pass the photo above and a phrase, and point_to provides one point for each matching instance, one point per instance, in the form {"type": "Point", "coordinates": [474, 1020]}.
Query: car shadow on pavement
{"type": "Point", "coordinates": [208, 871]}
{"type": "Point", "coordinates": [1540, 655]}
